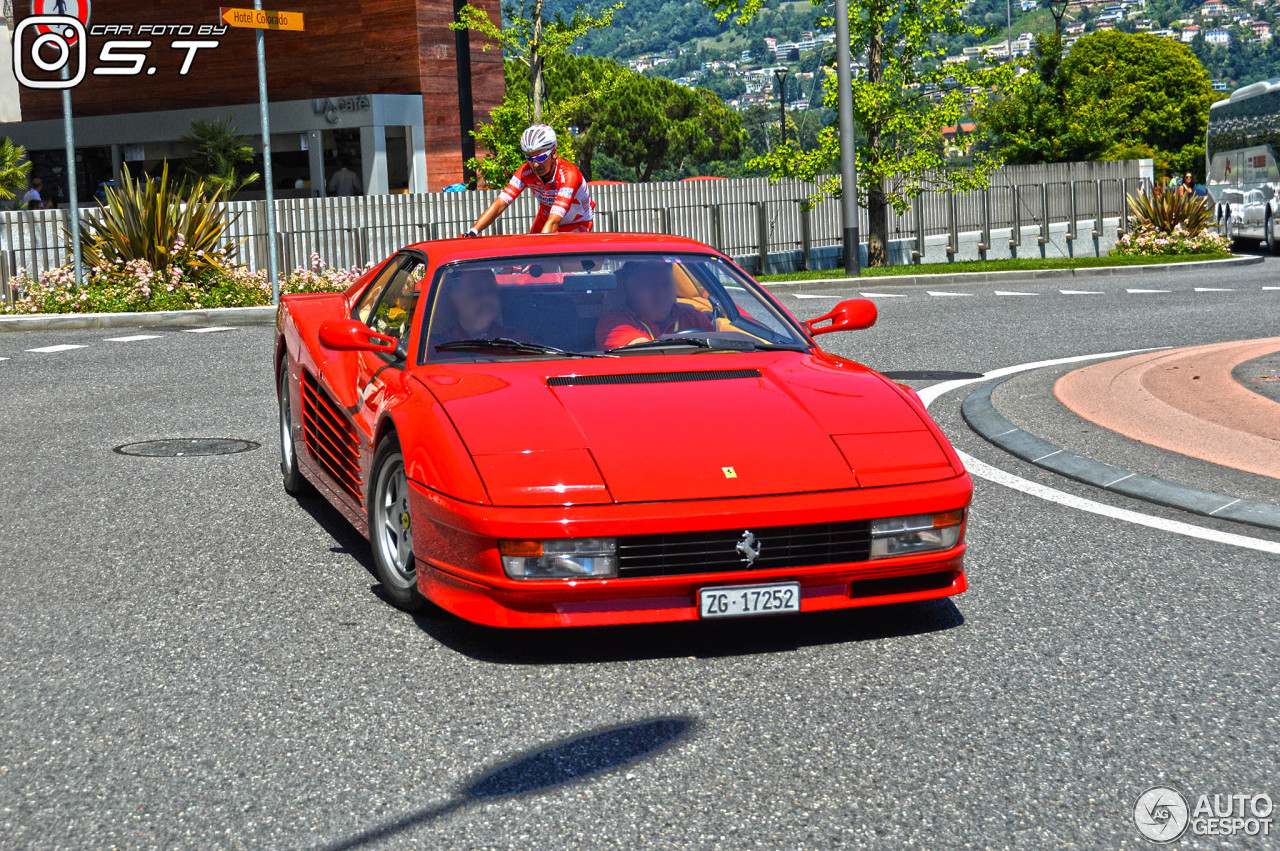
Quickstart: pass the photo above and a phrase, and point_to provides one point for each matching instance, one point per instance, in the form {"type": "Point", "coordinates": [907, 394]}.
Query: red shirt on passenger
{"type": "Point", "coordinates": [622, 327]}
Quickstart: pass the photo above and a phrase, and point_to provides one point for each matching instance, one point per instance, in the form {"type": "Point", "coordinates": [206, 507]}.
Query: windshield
{"type": "Point", "coordinates": [599, 305]}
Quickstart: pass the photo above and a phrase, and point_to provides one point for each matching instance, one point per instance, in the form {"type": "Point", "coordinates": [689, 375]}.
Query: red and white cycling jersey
{"type": "Point", "coordinates": [564, 194]}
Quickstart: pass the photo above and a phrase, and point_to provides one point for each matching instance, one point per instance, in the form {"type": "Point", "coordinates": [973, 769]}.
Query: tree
{"type": "Point", "coordinates": [219, 157]}
{"type": "Point", "coordinates": [531, 42]}
{"type": "Point", "coordinates": [1114, 92]}
{"type": "Point", "coordinates": [903, 103]}
{"type": "Point", "coordinates": [645, 124]}
{"type": "Point", "coordinates": [15, 168]}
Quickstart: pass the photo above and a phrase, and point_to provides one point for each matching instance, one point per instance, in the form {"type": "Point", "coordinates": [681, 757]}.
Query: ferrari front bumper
{"type": "Point", "coordinates": [459, 569]}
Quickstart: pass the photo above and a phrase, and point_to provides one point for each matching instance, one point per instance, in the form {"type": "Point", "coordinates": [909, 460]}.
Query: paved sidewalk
{"type": "Point", "coordinates": [1185, 401]}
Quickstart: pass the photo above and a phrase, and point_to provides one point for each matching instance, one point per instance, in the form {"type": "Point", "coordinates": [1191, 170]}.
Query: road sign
{"type": "Point", "coordinates": [78, 9]}
{"type": "Point", "coordinates": [260, 19]}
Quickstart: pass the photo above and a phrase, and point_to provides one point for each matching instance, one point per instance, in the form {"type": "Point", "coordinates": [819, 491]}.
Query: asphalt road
{"type": "Point", "coordinates": [191, 659]}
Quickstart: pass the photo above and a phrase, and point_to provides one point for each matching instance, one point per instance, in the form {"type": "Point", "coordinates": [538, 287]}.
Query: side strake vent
{"type": "Point", "coordinates": [330, 437]}
{"type": "Point", "coordinates": [652, 377]}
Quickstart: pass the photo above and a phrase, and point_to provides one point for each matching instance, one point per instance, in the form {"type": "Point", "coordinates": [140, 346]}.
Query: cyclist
{"type": "Point", "coordinates": [564, 202]}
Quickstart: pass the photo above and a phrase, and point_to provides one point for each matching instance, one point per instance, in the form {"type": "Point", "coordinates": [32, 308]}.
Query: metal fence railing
{"type": "Point", "coordinates": [748, 218]}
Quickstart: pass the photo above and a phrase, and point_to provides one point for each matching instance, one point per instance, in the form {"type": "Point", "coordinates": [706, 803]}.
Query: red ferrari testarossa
{"type": "Point", "coordinates": [587, 429]}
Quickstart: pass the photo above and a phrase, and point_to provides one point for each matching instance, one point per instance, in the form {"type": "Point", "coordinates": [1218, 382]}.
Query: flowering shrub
{"type": "Point", "coordinates": [136, 286]}
{"type": "Point", "coordinates": [1148, 240]}
{"type": "Point", "coordinates": [320, 278]}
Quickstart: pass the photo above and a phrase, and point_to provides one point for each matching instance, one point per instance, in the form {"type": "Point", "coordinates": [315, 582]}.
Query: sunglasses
{"type": "Point", "coordinates": [539, 159]}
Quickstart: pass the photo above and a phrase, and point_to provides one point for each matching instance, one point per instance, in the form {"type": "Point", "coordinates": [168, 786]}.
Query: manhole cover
{"type": "Point", "coordinates": [930, 375]}
{"type": "Point", "coordinates": [187, 446]}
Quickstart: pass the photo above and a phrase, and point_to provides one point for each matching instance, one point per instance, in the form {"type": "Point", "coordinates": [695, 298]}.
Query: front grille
{"type": "Point", "coordinates": [652, 377]}
{"type": "Point", "coordinates": [713, 552]}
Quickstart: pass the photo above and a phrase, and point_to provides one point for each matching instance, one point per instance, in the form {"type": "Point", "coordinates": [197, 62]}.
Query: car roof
{"type": "Point", "coordinates": [442, 251]}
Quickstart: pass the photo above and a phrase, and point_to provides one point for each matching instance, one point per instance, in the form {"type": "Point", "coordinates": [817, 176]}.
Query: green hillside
{"type": "Point", "coordinates": [686, 31]}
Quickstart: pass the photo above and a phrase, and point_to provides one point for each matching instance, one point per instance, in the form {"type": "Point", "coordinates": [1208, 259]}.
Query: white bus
{"type": "Point", "coordinates": [1240, 158]}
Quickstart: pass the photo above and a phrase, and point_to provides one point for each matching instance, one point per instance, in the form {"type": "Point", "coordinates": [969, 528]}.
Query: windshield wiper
{"type": "Point", "coordinates": [707, 343]}
{"type": "Point", "coordinates": [506, 344]}
{"type": "Point", "coordinates": [664, 342]}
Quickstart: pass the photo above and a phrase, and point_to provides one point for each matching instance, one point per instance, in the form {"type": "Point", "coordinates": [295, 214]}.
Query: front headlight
{"type": "Point", "coordinates": [919, 533]}
{"type": "Point", "coordinates": [560, 558]}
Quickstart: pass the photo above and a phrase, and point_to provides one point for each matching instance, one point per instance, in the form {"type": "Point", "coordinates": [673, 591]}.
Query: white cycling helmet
{"type": "Point", "coordinates": [538, 138]}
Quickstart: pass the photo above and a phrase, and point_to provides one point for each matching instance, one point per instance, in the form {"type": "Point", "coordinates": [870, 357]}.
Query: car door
{"type": "Point", "coordinates": [391, 311]}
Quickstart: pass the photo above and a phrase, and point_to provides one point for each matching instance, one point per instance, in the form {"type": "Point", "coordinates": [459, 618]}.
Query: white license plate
{"type": "Point", "coordinates": [736, 601]}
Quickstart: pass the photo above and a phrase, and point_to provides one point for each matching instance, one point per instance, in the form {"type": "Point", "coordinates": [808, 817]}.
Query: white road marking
{"type": "Point", "coordinates": [1271, 288]}
{"type": "Point", "coordinates": [1119, 480]}
{"type": "Point", "coordinates": [808, 295]}
{"type": "Point", "coordinates": [1046, 455]}
{"type": "Point", "coordinates": [3, 358]}
{"type": "Point", "coordinates": [994, 474]}
{"type": "Point", "coordinates": [1214, 290]}
{"type": "Point", "coordinates": [66, 347]}
{"type": "Point", "coordinates": [209, 330]}
{"type": "Point", "coordinates": [883, 295]}
{"type": "Point", "coordinates": [135, 338]}
{"type": "Point", "coordinates": [929, 394]}
{"type": "Point", "coordinates": [1082, 292]}
{"type": "Point", "coordinates": [1146, 291]}
{"type": "Point", "coordinates": [946, 294]}
{"type": "Point", "coordinates": [1000, 477]}
{"type": "Point", "coordinates": [1013, 292]}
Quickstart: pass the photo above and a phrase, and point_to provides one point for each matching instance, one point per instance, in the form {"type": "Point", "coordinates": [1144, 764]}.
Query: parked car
{"type": "Point", "coordinates": [587, 429]}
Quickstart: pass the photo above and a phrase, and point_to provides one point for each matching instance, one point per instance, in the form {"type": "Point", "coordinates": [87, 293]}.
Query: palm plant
{"type": "Point", "coordinates": [14, 169]}
{"type": "Point", "coordinates": [147, 219]}
{"type": "Point", "coordinates": [219, 155]}
{"type": "Point", "coordinates": [1169, 211]}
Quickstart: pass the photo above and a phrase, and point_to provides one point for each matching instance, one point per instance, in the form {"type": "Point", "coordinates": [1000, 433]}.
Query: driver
{"type": "Point", "coordinates": [470, 310]}
{"type": "Point", "coordinates": [651, 310]}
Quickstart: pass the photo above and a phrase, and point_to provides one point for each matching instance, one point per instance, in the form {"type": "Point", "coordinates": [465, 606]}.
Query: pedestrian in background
{"type": "Point", "coordinates": [1188, 184]}
{"type": "Point", "coordinates": [32, 199]}
{"type": "Point", "coordinates": [345, 182]}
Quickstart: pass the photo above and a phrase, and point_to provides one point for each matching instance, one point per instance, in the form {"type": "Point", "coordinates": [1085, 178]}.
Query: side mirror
{"type": "Point", "coordinates": [348, 335]}
{"type": "Point", "coordinates": [852, 315]}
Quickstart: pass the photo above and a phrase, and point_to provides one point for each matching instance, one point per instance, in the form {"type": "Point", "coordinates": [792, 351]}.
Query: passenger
{"type": "Point", "coordinates": [471, 309]}
{"type": "Point", "coordinates": [651, 310]}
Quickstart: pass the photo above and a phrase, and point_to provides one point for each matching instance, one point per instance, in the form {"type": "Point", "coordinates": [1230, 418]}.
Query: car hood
{"type": "Point", "coordinates": [704, 427]}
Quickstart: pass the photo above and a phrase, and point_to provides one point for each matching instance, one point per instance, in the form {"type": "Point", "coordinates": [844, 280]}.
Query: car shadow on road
{"type": "Point", "coordinates": [739, 637]}
{"type": "Point", "coordinates": [347, 541]}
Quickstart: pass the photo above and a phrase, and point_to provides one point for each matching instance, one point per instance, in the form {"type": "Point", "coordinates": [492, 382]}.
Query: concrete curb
{"type": "Point", "coordinates": [942, 279]}
{"type": "Point", "coordinates": [158, 319]}
{"type": "Point", "coordinates": [983, 418]}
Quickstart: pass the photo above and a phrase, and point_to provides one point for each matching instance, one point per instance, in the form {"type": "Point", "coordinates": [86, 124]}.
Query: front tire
{"type": "Point", "coordinates": [391, 528]}
{"type": "Point", "coordinates": [295, 484]}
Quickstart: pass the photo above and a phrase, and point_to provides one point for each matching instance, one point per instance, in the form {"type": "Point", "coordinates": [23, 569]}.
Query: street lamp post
{"type": "Point", "coordinates": [1008, 29]}
{"type": "Point", "coordinates": [848, 164]}
{"type": "Point", "coordinates": [781, 74]}
{"type": "Point", "coordinates": [273, 262]}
